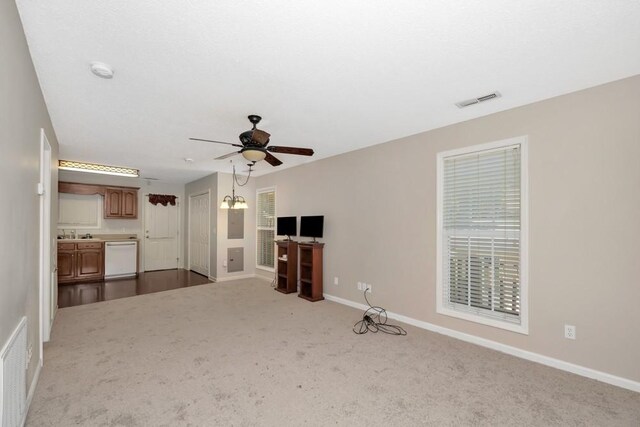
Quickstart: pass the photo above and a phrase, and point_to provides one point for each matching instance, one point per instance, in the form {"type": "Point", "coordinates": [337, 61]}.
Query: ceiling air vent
{"type": "Point", "coordinates": [477, 100]}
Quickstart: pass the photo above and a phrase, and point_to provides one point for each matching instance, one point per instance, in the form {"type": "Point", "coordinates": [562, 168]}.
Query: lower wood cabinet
{"type": "Point", "coordinates": [78, 262]}
{"type": "Point", "coordinates": [89, 263]}
{"type": "Point", "coordinates": [66, 262]}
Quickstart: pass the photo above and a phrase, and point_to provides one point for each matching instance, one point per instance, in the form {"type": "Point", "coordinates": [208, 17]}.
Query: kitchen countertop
{"type": "Point", "coordinates": [104, 238]}
{"type": "Point", "coordinates": [97, 240]}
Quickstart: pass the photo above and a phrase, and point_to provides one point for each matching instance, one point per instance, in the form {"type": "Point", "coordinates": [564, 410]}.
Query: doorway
{"type": "Point", "coordinates": [47, 276]}
{"type": "Point", "coordinates": [199, 227]}
{"type": "Point", "coordinates": [161, 236]}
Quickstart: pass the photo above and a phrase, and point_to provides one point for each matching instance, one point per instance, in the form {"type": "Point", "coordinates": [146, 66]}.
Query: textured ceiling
{"type": "Point", "coordinates": [331, 75]}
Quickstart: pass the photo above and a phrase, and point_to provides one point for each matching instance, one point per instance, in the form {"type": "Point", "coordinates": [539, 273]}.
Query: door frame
{"type": "Point", "coordinates": [143, 255]}
{"type": "Point", "coordinates": [46, 294]}
{"type": "Point", "coordinates": [188, 266]}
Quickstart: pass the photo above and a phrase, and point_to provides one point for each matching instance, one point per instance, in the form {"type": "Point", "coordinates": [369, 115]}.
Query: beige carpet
{"type": "Point", "coordinates": [238, 353]}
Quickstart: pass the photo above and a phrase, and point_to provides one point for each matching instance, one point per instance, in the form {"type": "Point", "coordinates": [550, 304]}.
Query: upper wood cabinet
{"type": "Point", "coordinates": [113, 203]}
{"type": "Point", "coordinates": [119, 202]}
{"type": "Point", "coordinates": [129, 203]}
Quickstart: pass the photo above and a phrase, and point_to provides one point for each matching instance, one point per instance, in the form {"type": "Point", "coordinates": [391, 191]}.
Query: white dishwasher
{"type": "Point", "coordinates": [120, 259]}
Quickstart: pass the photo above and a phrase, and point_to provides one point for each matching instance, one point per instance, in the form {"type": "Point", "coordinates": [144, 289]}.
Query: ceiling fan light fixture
{"type": "Point", "coordinates": [233, 201]}
{"type": "Point", "coordinates": [254, 154]}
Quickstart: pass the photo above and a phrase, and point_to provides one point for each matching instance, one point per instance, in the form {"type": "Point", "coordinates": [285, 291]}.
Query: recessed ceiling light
{"type": "Point", "coordinates": [102, 70]}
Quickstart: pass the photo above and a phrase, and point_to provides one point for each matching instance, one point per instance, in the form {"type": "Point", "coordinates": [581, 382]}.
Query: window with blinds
{"type": "Point", "coordinates": [265, 224]}
{"type": "Point", "coordinates": [480, 234]}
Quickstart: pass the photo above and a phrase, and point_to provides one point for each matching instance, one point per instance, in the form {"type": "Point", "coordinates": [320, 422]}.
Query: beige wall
{"type": "Point", "coordinates": [584, 149]}
{"type": "Point", "coordinates": [22, 114]}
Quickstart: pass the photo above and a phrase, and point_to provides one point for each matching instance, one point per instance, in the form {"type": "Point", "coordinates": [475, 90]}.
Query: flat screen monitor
{"type": "Point", "coordinates": [286, 226]}
{"type": "Point", "coordinates": [311, 226]}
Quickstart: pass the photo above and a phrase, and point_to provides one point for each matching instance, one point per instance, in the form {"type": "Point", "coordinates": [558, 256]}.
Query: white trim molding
{"type": "Point", "coordinates": [503, 348]}
{"type": "Point", "coordinates": [229, 278]}
{"type": "Point", "coordinates": [32, 391]}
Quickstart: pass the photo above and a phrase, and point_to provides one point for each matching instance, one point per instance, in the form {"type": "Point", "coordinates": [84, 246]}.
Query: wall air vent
{"type": "Point", "coordinates": [477, 100]}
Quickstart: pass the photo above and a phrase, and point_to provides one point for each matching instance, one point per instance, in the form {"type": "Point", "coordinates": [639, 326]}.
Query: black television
{"type": "Point", "coordinates": [311, 226]}
{"type": "Point", "coordinates": [286, 226]}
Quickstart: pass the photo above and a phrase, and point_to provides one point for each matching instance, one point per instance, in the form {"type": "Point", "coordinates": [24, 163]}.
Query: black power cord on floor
{"type": "Point", "coordinates": [374, 319]}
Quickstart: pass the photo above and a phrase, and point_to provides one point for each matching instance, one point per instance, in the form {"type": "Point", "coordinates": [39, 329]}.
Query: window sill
{"type": "Point", "coordinates": [521, 329]}
{"type": "Point", "coordinates": [269, 269]}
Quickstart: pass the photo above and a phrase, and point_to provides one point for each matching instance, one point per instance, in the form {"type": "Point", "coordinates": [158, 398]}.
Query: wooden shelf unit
{"type": "Point", "coordinates": [311, 271]}
{"type": "Point", "coordinates": [287, 272]}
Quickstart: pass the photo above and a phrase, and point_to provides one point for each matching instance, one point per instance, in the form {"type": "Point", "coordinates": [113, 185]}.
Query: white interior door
{"type": "Point", "coordinates": [199, 223]}
{"type": "Point", "coordinates": [161, 237]}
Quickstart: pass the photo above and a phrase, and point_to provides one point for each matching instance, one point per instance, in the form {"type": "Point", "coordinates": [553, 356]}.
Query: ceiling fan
{"type": "Point", "coordinates": [254, 146]}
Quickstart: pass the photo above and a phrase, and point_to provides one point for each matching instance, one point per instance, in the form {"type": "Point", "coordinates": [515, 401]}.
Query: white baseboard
{"type": "Point", "coordinates": [229, 278]}
{"type": "Point", "coordinates": [32, 391]}
{"type": "Point", "coordinates": [503, 348]}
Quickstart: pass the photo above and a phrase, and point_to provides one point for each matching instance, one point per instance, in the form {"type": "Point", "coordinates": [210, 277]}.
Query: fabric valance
{"type": "Point", "coordinates": [163, 199]}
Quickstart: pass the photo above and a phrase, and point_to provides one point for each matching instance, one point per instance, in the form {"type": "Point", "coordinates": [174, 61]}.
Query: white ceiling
{"type": "Point", "coordinates": [331, 75]}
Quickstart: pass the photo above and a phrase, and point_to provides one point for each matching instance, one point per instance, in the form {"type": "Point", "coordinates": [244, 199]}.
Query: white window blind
{"type": "Point", "coordinates": [481, 233]}
{"type": "Point", "coordinates": [265, 220]}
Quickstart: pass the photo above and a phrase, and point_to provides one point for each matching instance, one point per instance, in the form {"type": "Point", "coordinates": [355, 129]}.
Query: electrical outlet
{"type": "Point", "coordinates": [224, 263]}
{"type": "Point", "coordinates": [359, 286]}
{"type": "Point", "coordinates": [570, 332]}
{"type": "Point", "coordinates": [335, 280]}
{"type": "Point", "coordinates": [369, 288]}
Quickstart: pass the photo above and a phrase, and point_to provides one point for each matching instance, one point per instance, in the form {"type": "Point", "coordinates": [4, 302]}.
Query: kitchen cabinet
{"type": "Point", "coordinates": [121, 203]}
{"type": "Point", "coordinates": [80, 261]}
{"type": "Point", "coordinates": [66, 257]}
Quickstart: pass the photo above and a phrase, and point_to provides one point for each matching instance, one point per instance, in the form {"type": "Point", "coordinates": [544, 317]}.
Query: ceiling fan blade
{"type": "Point", "coordinates": [291, 150]}
{"type": "Point", "coordinates": [227, 155]}
{"type": "Point", "coordinates": [272, 160]}
{"type": "Point", "coordinates": [260, 137]}
{"type": "Point", "coordinates": [217, 142]}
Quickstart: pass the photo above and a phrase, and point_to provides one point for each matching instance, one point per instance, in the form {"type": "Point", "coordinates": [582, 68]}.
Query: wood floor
{"type": "Point", "coordinates": [146, 283]}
